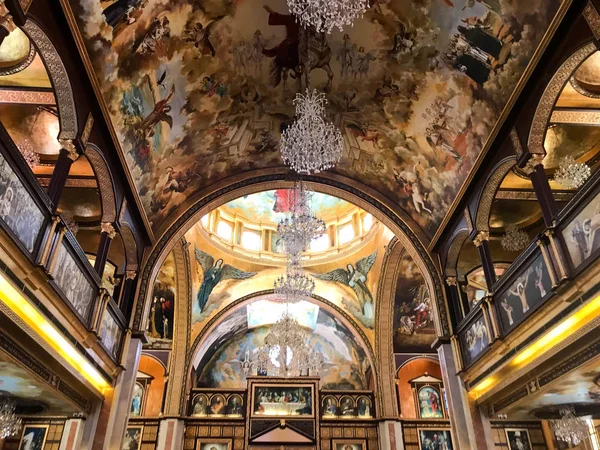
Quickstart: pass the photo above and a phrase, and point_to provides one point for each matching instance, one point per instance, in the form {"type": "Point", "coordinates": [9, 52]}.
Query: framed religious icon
{"type": "Point", "coordinates": [518, 439]}
{"type": "Point", "coordinates": [329, 406]}
{"type": "Point", "coordinates": [349, 444]}
{"type": "Point", "coordinates": [137, 400]}
{"type": "Point", "coordinates": [435, 438]}
{"type": "Point", "coordinates": [33, 437]}
{"type": "Point", "coordinates": [428, 394]}
{"type": "Point", "coordinates": [199, 405]}
{"type": "Point", "coordinates": [364, 407]}
{"type": "Point", "coordinates": [235, 405]}
{"type": "Point", "coordinates": [282, 400]}
{"type": "Point", "coordinates": [213, 444]}
{"type": "Point", "coordinates": [133, 437]}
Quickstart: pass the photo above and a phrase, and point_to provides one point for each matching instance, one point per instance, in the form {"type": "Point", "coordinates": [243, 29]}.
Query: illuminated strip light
{"type": "Point", "coordinates": [32, 317]}
{"type": "Point", "coordinates": [565, 328]}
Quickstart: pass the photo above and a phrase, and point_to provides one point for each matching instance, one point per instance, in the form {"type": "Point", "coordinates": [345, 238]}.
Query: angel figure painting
{"type": "Point", "coordinates": [212, 274]}
{"type": "Point", "coordinates": [356, 278]}
{"type": "Point", "coordinates": [525, 292]}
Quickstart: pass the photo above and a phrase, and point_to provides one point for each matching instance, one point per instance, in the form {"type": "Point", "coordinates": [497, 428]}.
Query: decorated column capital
{"type": "Point", "coordinates": [481, 237]}
{"type": "Point", "coordinates": [535, 160]}
{"type": "Point", "coordinates": [109, 229]}
{"type": "Point", "coordinates": [130, 274]}
{"type": "Point", "coordinates": [6, 19]}
{"type": "Point", "coordinates": [451, 281]}
{"type": "Point", "coordinates": [69, 146]}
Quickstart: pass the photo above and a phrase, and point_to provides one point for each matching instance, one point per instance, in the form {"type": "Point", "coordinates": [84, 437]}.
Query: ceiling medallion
{"type": "Point", "coordinates": [324, 15]}
{"type": "Point", "coordinates": [571, 174]}
{"type": "Point", "coordinates": [311, 144]}
{"type": "Point", "coordinates": [570, 428]}
{"type": "Point", "coordinates": [10, 424]}
{"type": "Point", "coordinates": [514, 239]}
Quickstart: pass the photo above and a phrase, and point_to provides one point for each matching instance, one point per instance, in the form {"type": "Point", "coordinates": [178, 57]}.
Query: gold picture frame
{"type": "Point", "coordinates": [428, 433]}
{"type": "Point", "coordinates": [37, 441]}
{"type": "Point", "coordinates": [512, 433]}
{"type": "Point", "coordinates": [280, 388]}
{"type": "Point", "coordinates": [353, 444]}
{"type": "Point", "coordinates": [127, 440]}
{"type": "Point", "coordinates": [217, 444]}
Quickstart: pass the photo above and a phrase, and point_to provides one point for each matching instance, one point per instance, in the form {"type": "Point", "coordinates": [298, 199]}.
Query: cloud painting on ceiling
{"type": "Point", "coordinates": [272, 206]}
{"type": "Point", "coordinates": [198, 91]}
{"type": "Point", "coordinates": [346, 364]}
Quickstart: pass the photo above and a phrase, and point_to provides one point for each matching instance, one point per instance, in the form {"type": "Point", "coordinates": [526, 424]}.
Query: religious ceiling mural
{"type": "Point", "coordinates": [198, 91]}
{"type": "Point", "coordinates": [414, 328]}
{"type": "Point", "coordinates": [272, 206]}
{"type": "Point", "coordinates": [29, 392]}
{"type": "Point", "coordinates": [346, 365]}
{"type": "Point", "coordinates": [219, 278]}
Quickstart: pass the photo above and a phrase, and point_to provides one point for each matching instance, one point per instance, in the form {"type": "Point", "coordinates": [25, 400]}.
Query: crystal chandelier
{"type": "Point", "coordinates": [294, 286]}
{"type": "Point", "coordinates": [514, 239]}
{"type": "Point", "coordinates": [301, 226]}
{"type": "Point", "coordinates": [324, 15]}
{"type": "Point", "coordinates": [570, 428]}
{"type": "Point", "coordinates": [287, 351]}
{"type": "Point", "coordinates": [571, 174]}
{"type": "Point", "coordinates": [29, 154]}
{"type": "Point", "coordinates": [10, 424]}
{"type": "Point", "coordinates": [311, 144]}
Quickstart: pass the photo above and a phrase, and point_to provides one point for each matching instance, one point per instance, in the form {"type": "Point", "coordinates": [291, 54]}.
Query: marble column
{"type": "Point", "coordinates": [390, 435]}
{"type": "Point", "coordinates": [170, 434]}
{"type": "Point", "coordinates": [72, 435]}
{"type": "Point", "coordinates": [114, 414]}
{"type": "Point", "coordinates": [470, 428]}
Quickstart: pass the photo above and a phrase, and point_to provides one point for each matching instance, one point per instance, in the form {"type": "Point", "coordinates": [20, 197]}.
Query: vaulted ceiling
{"type": "Point", "coordinates": [198, 91]}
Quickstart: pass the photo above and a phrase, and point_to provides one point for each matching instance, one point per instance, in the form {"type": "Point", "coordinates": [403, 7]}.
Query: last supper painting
{"type": "Point", "coordinates": [416, 91]}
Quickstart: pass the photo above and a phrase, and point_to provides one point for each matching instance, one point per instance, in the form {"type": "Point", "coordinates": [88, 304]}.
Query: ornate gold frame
{"type": "Point", "coordinates": [337, 442]}
{"type": "Point", "coordinates": [255, 385]}
{"type": "Point", "coordinates": [521, 430]}
{"type": "Point", "coordinates": [201, 441]}
{"type": "Point", "coordinates": [27, 426]}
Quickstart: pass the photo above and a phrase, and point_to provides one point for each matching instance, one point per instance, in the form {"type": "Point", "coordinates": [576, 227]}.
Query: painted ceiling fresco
{"type": "Point", "coordinates": [18, 382]}
{"type": "Point", "coordinates": [219, 279]}
{"type": "Point", "coordinates": [198, 91]}
{"type": "Point", "coordinates": [346, 364]}
{"type": "Point", "coordinates": [272, 206]}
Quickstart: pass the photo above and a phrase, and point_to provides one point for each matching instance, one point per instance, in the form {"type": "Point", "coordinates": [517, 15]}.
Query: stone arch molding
{"type": "Point", "coordinates": [67, 115]}
{"type": "Point", "coordinates": [252, 184]}
{"type": "Point", "coordinates": [486, 198]}
{"type": "Point", "coordinates": [543, 112]}
{"type": "Point", "coordinates": [105, 183]}
{"type": "Point", "coordinates": [456, 243]}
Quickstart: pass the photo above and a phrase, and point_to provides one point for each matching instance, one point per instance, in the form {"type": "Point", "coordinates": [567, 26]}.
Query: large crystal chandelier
{"type": "Point", "coordinates": [324, 15]}
{"type": "Point", "coordinates": [311, 144]}
{"type": "Point", "coordinates": [570, 428]}
{"type": "Point", "coordinates": [514, 239]}
{"type": "Point", "coordinates": [10, 424]}
{"type": "Point", "coordinates": [287, 351]}
{"type": "Point", "coordinates": [571, 174]}
{"type": "Point", "coordinates": [294, 286]}
{"type": "Point", "coordinates": [301, 226]}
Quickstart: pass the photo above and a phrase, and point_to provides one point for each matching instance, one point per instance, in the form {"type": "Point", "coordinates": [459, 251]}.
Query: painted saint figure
{"type": "Point", "coordinates": [519, 290]}
{"type": "Point", "coordinates": [356, 279]}
{"type": "Point", "coordinates": [214, 273]}
{"type": "Point", "coordinates": [508, 309]}
{"type": "Point", "coordinates": [538, 281]}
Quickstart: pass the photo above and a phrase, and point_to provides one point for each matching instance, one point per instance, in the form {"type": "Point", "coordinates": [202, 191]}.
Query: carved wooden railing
{"type": "Point", "coordinates": [46, 241]}
{"type": "Point", "coordinates": [556, 256]}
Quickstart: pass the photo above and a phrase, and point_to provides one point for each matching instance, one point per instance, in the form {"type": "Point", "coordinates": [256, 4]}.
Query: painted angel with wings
{"type": "Point", "coordinates": [356, 279]}
{"type": "Point", "coordinates": [214, 273]}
